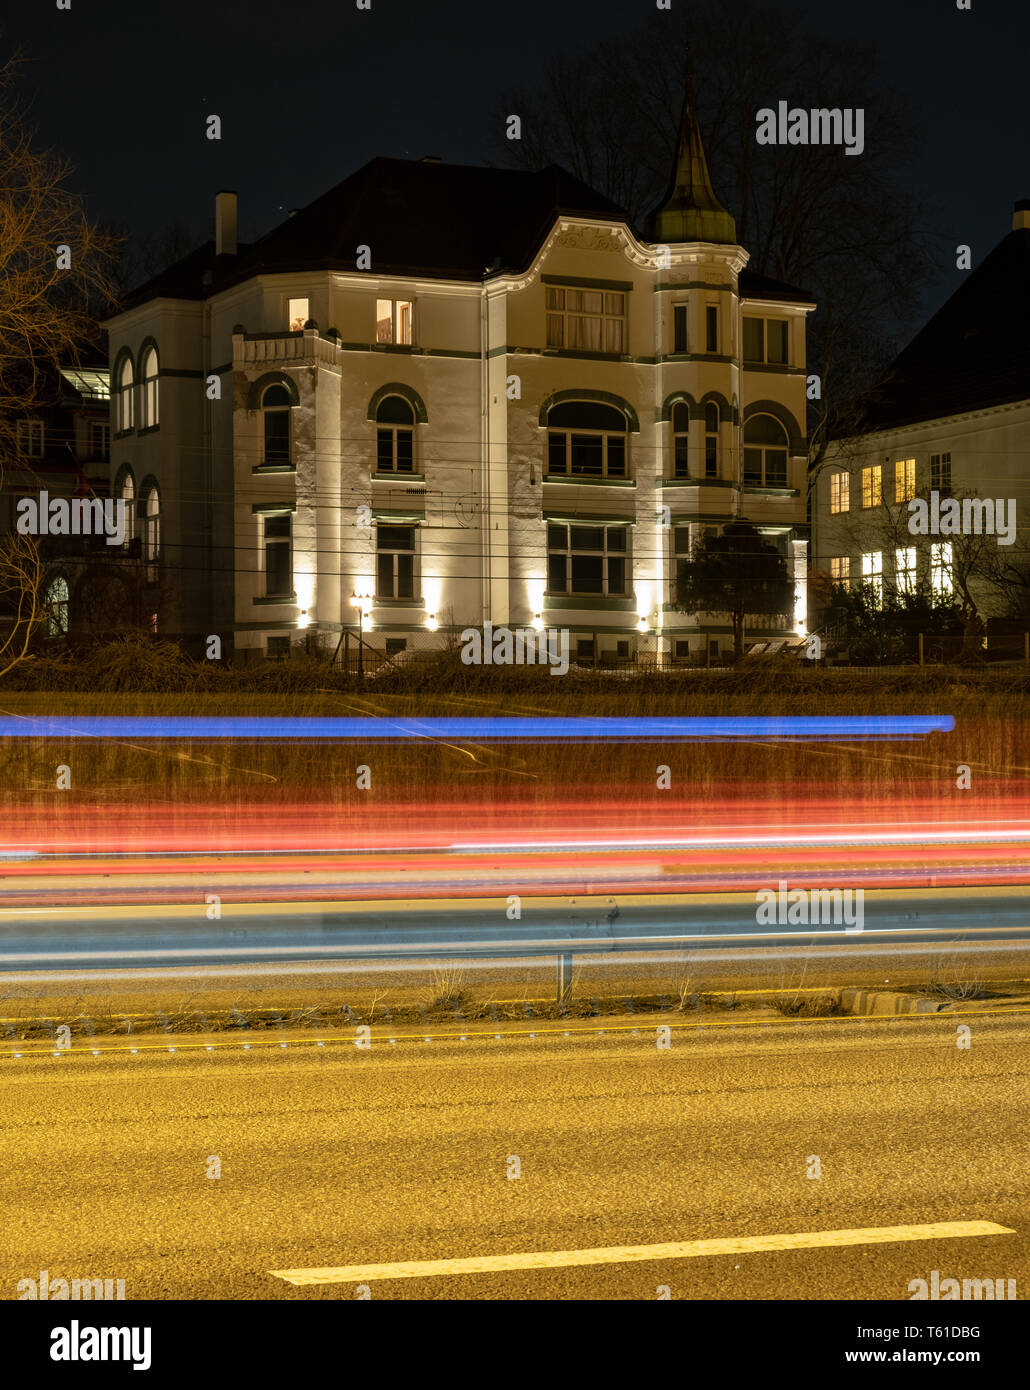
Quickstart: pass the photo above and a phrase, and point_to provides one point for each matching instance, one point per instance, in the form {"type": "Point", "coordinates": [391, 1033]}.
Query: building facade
{"type": "Point", "coordinates": [951, 419]}
{"type": "Point", "coordinates": [441, 395]}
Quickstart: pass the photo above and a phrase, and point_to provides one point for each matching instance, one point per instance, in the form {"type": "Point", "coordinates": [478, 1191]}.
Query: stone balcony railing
{"type": "Point", "coordinates": [304, 348]}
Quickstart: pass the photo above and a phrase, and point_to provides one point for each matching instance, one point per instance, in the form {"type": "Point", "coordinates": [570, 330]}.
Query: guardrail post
{"type": "Point", "coordinates": [564, 978]}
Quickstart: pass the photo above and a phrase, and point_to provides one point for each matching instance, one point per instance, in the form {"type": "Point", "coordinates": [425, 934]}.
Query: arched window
{"type": "Point", "coordinates": [149, 374]}
{"type": "Point", "coordinates": [150, 509]}
{"type": "Point", "coordinates": [126, 382]}
{"type": "Point", "coordinates": [56, 602]}
{"type": "Point", "coordinates": [128, 496]}
{"type": "Point", "coordinates": [395, 436]}
{"type": "Point", "coordinates": [681, 440]}
{"type": "Point", "coordinates": [586, 439]}
{"type": "Point", "coordinates": [711, 440]}
{"type": "Point", "coordinates": [275, 406]}
{"type": "Point", "coordinates": [765, 452]}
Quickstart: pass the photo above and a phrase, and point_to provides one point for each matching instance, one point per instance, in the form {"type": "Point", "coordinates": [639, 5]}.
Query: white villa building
{"type": "Point", "coordinates": [443, 394]}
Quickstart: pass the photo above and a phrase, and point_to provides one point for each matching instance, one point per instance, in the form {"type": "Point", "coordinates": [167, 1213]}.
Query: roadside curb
{"type": "Point", "coordinates": [886, 1002]}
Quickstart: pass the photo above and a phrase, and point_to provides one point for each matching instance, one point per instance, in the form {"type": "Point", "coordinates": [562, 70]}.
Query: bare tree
{"type": "Point", "coordinates": [848, 228]}
{"type": "Point", "coordinates": [55, 266]}
{"type": "Point", "coordinates": [22, 602]}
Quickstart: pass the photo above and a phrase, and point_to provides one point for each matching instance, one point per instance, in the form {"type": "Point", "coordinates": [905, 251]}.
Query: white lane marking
{"type": "Point", "coordinates": [621, 1254]}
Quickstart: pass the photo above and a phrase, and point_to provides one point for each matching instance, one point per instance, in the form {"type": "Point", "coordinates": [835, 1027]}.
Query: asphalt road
{"type": "Point", "coordinates": [338, 1156]}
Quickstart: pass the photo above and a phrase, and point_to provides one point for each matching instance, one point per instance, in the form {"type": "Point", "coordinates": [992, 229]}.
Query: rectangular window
{"type": "Point", "coordinates": [754, 340]}
{"type": "Point", "coordinates": [393, 321]}
{"type": "Point", "coordinates": [279, 556]}
{"type": "Point", "coordinates": [586, 559]}
{"type": "Point", "coordinates": [278, 648]}
{"type": "Point", "coordinates": [297, 313]}
{"type": "Point", "coordinates": [99, 440]}
{"type": "Point", "coordinates": [586, 320]}
{"type": "Point", "coordinates": [711, 455]}
{"type": "Point", "coordinates": [681, 456]}
{"type": "Point", "coordinates": [679, 328]}
{"type": "Point", "coordinates": [766, 340]}
{"type": "Point", "coordinates": [840, 570]}
{"type": "Point", "coordinates": [905, 569]}
{"type": "Point", "coordinates": [940, 473]}
{"type": "Point", "coordinates": [872, 572]}
{"type": "Point", "coordinates": [711, 328]}
{"type": "Point", "coordinates": [941, 581]}
{"type": "Point", "coordinates": [840, 492]}
{"type": "Point", "coordinates": [595, 455]}
{"type": "Point", "coordinates": [395, 561]}
{"type": "Point", "coordinates": [904, 480]}
{"type": "Point", "coordinates": [872, 485]}
{"type": "Point", "coordinates": [31, 439]}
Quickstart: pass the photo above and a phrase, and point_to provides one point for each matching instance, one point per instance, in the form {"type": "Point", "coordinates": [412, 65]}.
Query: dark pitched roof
{"type": "Point", "coordinates": [755, 286]}
{"type": "Point", "coordinates": [973, 353]}
{"type": "Point", "coordinates": [425, 219]}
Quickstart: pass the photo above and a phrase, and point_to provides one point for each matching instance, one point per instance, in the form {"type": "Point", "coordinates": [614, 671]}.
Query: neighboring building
{"type": "Point", "coordinates": [464, 394]}
{"type": "Point", "coordinates": [952, 415]}
{"type": "Point", "coordinates": [62, 447]}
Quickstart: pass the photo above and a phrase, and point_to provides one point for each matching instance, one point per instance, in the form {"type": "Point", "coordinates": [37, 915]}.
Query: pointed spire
{"type": "Point", "coordinates": [691, 211]}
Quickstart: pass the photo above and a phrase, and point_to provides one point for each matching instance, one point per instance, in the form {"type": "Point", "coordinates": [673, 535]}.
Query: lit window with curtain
{"type": "Point", "coordinates": [150, 389]}
{"type": "Point", "coordinates": [586, 320]}
{"type": "Point", "coordinates": [126, 387]}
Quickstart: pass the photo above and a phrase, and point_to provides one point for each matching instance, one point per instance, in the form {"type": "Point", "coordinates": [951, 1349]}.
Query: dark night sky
{"type": "Point", "coordinates": [309, 90]}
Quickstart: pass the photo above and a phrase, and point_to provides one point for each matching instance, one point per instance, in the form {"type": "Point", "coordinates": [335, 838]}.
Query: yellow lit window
{"type": "Point", "coordinates": [904, 480]}
{"type": "Point", "coordinates": [872, 485]}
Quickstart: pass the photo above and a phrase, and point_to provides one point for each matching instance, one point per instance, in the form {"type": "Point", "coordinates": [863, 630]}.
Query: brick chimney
{"type": "Point", "coordinates": [225, 223]}
{"type": "Point", "coordinates": [1021, 215]}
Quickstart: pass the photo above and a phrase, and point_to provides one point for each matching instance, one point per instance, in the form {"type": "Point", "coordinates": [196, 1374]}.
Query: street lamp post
{"type": "Point", "coordinates": [361, 599]}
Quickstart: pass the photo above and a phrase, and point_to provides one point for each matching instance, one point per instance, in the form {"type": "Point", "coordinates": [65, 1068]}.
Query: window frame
{"type": "Point", "coordinates": [396, 552]}
{"type": "Point", "coordinates": [873, 572]}
{"type": "Point", "coordinates": [940, 473]}
{"type": "Point", "coordinates": [395, 430]}
{"type": "Point", "coordinates": [840, 570]}
{"type": "Point", "coordinates": [680, 457]}
{"type": "Point", "coordinates": [560, 314]}
{"type": "Point", "coordinates": [681, 327]}
{"type": "Point", "coordinates": [764, 449]}
{"type": "Point", "coordinates": [872, 486]}
{"type": "Point", "coordinates": [396, 338]}
{"type": "Point", "coordinates": [765, 360]}
{"type": "Point", "coordinates": [268, 411]}
{"type": "Point", "coordinates": [942, 559]}
{"type": "Point", "coordinates": [275, 543]}
{"type": "Point", "coordinates": [125, 408]}
{"type": "Point", "coordinates": [607, 553]}
{"type": "Point", "coordinates": [712, 440]}
{"type": "Point", "coordinates": [33, 433]}
{"type": "Point", "coordinates": [840, 492]}
{"type": "Point", "coordinates": [905, 572]}
{"type": "Point", "coordinates": [150, 416]}
{"type": "Point", "coordinates": [904, 480]}
{"type": "Point", "coordinates": [103, 454]}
